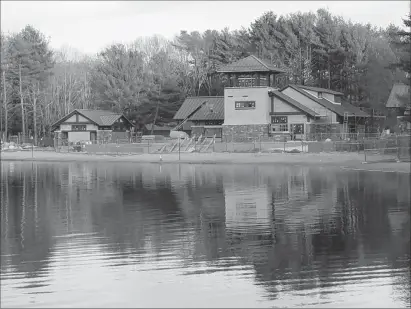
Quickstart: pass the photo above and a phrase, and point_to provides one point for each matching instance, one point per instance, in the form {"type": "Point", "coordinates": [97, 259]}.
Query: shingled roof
{"type": "Point", "coordinates": [293, 102]}
{"type": "Point", "coordinates": [316, 89]}
{"type": "Point", "coordinates": [339, 109]}
{"type": "Point", "coordinates": [397, 91]}
{"type": "Point", "coordinates": [208, 108]}
{"type": "Point", "coordinates": [249, 65]}
{"type": "Point", "coordinates": [99, 117]}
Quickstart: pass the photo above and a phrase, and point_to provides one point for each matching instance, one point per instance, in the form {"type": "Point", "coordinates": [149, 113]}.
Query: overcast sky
{"type": "Point", "coordinates": [89, 26]}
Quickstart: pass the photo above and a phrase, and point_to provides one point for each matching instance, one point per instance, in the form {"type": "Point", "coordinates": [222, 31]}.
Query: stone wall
{"type": "Point", "coordinates": [205, 131]}
{"type": "Point", "coordinates": [244, 133]}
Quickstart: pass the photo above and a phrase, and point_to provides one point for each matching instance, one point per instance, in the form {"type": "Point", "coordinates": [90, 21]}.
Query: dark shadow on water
{"type": "Point", "coordinates": [308, 231]}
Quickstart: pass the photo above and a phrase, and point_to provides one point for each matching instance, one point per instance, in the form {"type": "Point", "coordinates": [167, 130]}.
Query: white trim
{"type": "Point", "coordinates": [333, 102]}
{"type": "Point", "coordinates": [209, 126]}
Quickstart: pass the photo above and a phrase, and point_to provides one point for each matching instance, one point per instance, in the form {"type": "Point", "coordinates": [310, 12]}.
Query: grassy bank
{"type": "Point", "coordinates": [342, 160]}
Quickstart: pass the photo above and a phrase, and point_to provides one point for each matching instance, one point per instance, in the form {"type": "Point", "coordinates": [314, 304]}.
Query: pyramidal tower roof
{"type": "Point", "coordinates": [250, 64]}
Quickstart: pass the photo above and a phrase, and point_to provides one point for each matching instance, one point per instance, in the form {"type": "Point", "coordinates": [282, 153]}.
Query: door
{"type": "Point", "coordinates": [297, 131]}
{"type": "Point", "coordinates": [93, 136]}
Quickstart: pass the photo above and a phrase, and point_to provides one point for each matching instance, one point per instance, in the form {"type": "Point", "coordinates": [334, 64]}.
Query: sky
{"type": "Point", "coordinates": [89, 26]}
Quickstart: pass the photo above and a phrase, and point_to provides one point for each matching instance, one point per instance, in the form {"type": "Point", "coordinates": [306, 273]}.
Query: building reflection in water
{"type": "Point", "coordinates": [302, 230]}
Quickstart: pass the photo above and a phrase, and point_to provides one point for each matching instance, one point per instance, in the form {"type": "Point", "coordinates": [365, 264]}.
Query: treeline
{"type": "Point", "coordinates": [149, 78]}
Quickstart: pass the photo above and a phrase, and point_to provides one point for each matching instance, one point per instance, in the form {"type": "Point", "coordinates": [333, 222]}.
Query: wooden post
{"type": "Point", "coordinates": [235, 82]}
{"type": "Point", "coordinates": [258, 80]}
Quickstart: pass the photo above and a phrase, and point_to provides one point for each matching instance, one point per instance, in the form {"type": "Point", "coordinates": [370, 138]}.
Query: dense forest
{"type": "Point", "coordinates": [149, 78]}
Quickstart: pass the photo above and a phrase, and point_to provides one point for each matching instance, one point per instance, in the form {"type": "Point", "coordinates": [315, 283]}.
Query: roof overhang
{"type": "Point", "coordinates": [58, 122]}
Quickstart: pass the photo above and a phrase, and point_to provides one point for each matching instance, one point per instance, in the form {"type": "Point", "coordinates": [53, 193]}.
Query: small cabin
{"type": "Point", "coordinates": [91, 125]}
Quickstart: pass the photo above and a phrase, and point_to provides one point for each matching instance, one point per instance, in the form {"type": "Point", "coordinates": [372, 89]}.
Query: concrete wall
{"type": "Point", "coordinates": [76, 136]}
{"type": "Point", "coordinates": [259, 115]}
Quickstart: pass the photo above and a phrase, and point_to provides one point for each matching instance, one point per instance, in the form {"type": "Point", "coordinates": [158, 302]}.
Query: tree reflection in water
{"type": "Point", "coordinates": [307, 230]}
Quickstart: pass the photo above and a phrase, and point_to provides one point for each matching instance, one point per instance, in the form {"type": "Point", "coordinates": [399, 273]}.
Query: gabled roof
{"type": "Point", "coordinates": [99, 117]}
{"type": "Point", "coordinates": [398, 90]}
{"type": "Point", "coordinates": [200, 108]}
{"type": "Point", "coordinates": [351, 110]}
{"type": "Point", "coordinates": [248, 65]}
{"type": "Point", "coordinates": [316, 89]}
{"type": "Point", "coordinates": [293, 102]}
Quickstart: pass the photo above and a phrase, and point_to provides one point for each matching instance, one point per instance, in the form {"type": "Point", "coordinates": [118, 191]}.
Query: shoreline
{"type": "Point", "coordinates": [350, 161]}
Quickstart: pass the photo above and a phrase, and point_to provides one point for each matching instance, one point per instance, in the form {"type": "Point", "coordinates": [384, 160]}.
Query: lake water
{"type": "Point", "coordinates": [127, 235]}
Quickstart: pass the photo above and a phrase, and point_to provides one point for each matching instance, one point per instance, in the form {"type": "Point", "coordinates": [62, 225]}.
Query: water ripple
{"type": "Point", "coordinates": [84, 235]}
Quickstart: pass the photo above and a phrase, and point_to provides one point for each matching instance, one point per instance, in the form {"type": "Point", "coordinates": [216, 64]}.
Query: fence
{"type": "Point", "coordinates": [341, 136]}
{"type": "Point", "coordinates": [120, 146]}
{"type": "Point", "coordinates": [393, 148]}
{"type": "Point", "coordinates": [382, 149]}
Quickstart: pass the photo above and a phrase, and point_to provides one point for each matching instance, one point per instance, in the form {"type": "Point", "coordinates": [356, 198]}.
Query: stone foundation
{"type": "Point", "coordinates": [244, 133]}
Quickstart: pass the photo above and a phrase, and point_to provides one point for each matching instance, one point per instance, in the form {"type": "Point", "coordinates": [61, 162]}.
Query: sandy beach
{"type": "Point", "coordinates": [342, 160]}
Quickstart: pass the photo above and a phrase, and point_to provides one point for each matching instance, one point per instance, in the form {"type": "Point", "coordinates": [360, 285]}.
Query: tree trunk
{"type": "Point", "coordinates": [156, 114]}
{"type": "Point", "coordinates": [69, 94]}
{"type": "Point", "coordinates": [85, 91]}
{"type": "Point", "coordinates": [329, 72]}
{"type": "Point", "coordinates": [5, 106]}
{"type": "Point", "coordinates": [65, 92]}
{"type": "Point", "coordinates": [35, 112]}
{"type": "Point", "coordinates": [22, 105]}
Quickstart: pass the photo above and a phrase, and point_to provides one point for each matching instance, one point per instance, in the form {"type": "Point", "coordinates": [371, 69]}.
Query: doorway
{"type": "Point", "coordinates": [297, 131]}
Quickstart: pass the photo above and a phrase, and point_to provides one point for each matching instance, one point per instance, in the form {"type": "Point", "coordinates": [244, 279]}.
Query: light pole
{"type": "Point", "coordinates": [179, 138]}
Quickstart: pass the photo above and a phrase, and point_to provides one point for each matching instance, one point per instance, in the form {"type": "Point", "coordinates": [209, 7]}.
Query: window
{"type": "Point", "coordinates": [213, 122]}
{"type": "Point", "coordinates": [320, 95]}
{"type": "Point", "coordinates": [297, 128]}
{"type": "Point", "coordinates": [244, 104]}
{"type": "Point", "coordinates": [279, 123]}
{"type": "Point", "coordinates": [337, 99]}
{"type": "Point", "coordinates": [78, 127]}
{"type": "Point", "coordinates": [246, 82]}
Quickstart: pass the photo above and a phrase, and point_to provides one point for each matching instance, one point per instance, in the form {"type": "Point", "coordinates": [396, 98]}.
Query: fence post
{"type": "Point", "coordinates": [285, 140]}
{"type": "Point", "coordinates": [365, 152]}
{"type": "Point", "coordinates": [32, 149]}
{"type": "Point", "coordinates": [398, 147]}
